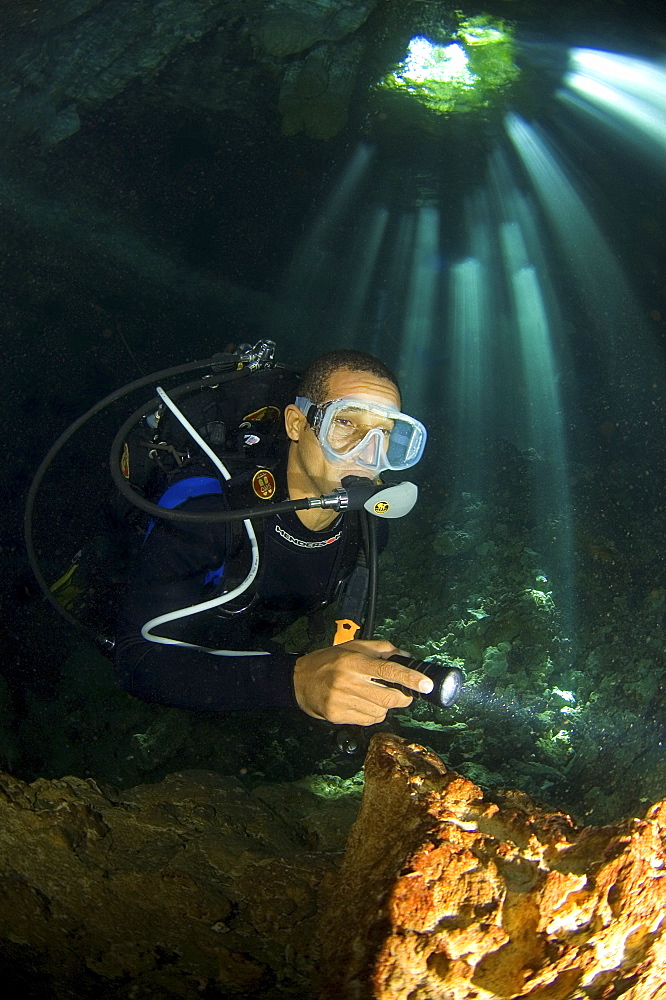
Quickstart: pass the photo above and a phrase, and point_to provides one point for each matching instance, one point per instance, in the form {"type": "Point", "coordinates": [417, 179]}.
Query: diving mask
{"type": "Point", "coordinates": [371, 435]}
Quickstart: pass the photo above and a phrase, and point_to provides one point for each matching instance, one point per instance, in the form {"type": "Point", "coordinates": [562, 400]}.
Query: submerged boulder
{"type": "Point", "coordinates": [200, 885]}
{"type": "Point", "coordinates": [459, 897]}
{"type": "Point", "coordinates": [162, 890]}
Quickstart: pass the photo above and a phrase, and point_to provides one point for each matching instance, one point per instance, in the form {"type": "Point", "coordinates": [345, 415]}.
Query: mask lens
{"type": "Point", "coordinates": [401, 445]}
{"type": "Point", "coordinates": [375, 437]}
{"type": "Point", "coordinates": [351, 427]}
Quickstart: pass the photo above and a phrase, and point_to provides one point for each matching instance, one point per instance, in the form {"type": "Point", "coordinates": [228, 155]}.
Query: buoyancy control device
{"type": "Point", "coordinates": [230, 417]}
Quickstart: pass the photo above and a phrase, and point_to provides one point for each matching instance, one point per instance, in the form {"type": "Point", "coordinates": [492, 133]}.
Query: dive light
{"type": "Point", "coordinates": [447, 685]}
{"type": "Point", "coordinates": [447, 680]}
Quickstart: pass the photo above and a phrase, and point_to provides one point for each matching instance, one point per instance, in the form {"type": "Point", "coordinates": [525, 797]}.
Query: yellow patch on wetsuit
{"type": "Point", "coordinates": [265, 413]}
{"type": "Point", "coordinates": [125, 461]}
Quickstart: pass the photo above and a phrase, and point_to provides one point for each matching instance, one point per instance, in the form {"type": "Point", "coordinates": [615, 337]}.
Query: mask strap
{"type": "Point", "coordinates": [312, 413]}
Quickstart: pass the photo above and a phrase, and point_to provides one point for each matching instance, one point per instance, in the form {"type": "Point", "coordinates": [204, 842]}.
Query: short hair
{"type": "Point", "coordinates": [315, 379]}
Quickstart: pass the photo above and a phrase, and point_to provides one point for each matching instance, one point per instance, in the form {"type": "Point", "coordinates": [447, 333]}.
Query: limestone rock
{"type": "Point", "coordinates": [84, 54]}
{"type": "Point", "coordinates": [65, 60]}
{"type": "Point", "coordinates": [315, 90]}
{"type": "Point", "coordinates": [290, 26]}
{"type": "Point", "coordinates": [198, 885]}
{"type": "Point", "coordinates": [444, 894]}
{"type": "Point", "coordinates": [164, 890]}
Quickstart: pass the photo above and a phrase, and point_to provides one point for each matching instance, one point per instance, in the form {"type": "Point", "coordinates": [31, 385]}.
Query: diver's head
{"type": "Point", "coordinates": [347, 421]}
{"type": "Point", "coordinates": [315, 383]}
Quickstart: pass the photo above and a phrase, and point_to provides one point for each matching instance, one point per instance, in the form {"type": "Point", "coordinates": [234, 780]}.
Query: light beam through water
{"type": "Point", "coordinates": [628, 93]}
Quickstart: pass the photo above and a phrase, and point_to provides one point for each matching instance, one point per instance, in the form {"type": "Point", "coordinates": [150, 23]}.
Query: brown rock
{"type": "Point", "coordinates": [199, 885]}
{"type": "Point", "coordinates": [444, 894]}
{"type": "Point", "coordinates": [162, 890]}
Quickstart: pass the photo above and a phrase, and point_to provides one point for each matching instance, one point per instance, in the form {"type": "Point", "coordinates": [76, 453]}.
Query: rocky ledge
{"type": "Point", "coordinates": [461, 898]}
{"type": "Point", "coordinates": [199, 886]}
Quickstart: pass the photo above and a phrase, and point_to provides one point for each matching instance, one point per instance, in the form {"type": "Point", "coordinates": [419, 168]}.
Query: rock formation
{"type": "Point", "coordinates": [164, 890]}
{"type": "Point", "coordinates": [201, 885]}
{"type": "Point", "coordinates": [66, 59]}
{"type": "Point", "coordinates": [445, 894]}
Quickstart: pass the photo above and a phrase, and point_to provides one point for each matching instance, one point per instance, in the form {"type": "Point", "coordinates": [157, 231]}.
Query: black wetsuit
{"type": "Point", "coordinates": [185, 564]}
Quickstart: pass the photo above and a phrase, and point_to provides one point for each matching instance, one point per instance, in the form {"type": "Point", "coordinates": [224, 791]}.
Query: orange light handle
{"type": "Point", "coordinates": [345, 630]}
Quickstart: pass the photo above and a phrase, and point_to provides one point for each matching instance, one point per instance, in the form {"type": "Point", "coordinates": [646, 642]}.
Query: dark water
{"type": "Point", "coordinates": [507, 262]}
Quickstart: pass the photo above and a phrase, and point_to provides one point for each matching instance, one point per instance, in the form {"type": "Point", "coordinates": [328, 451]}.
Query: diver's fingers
{"type": "Point", "coordinates": [396, 673]}
{"type": "Point", "coordinates": [381, 648]}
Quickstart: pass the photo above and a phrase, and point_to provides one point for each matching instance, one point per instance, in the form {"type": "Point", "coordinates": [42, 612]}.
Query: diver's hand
{"type": "Point", "coordinates": [337, 683]}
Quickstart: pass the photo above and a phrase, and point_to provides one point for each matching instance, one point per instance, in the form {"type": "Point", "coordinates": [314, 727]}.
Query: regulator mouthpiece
{"type": "Point", "coordinates": [384, 500]}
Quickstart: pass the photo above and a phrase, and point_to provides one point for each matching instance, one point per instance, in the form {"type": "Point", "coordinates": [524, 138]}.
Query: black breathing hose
{"type": "Point", "coordinates": [221, 363]}
{"type": "Point", "coordinates": [225, 368]}
{"type": "Point", "coordinates": [369, 528]}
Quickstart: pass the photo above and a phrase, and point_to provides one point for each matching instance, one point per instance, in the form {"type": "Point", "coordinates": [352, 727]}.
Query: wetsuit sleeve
{"type": "Point", "coordinates": [170, 571]}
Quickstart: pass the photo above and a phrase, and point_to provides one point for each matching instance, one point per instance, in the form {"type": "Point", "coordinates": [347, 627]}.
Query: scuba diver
{"type": "Point", "coordinates": [264, 494]}
{"type": "Point", "coordinates": [206, 598]}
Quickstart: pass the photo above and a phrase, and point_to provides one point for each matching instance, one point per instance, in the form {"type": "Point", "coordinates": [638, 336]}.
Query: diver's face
{"type": "Point", "coordinates": [310, 467]}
